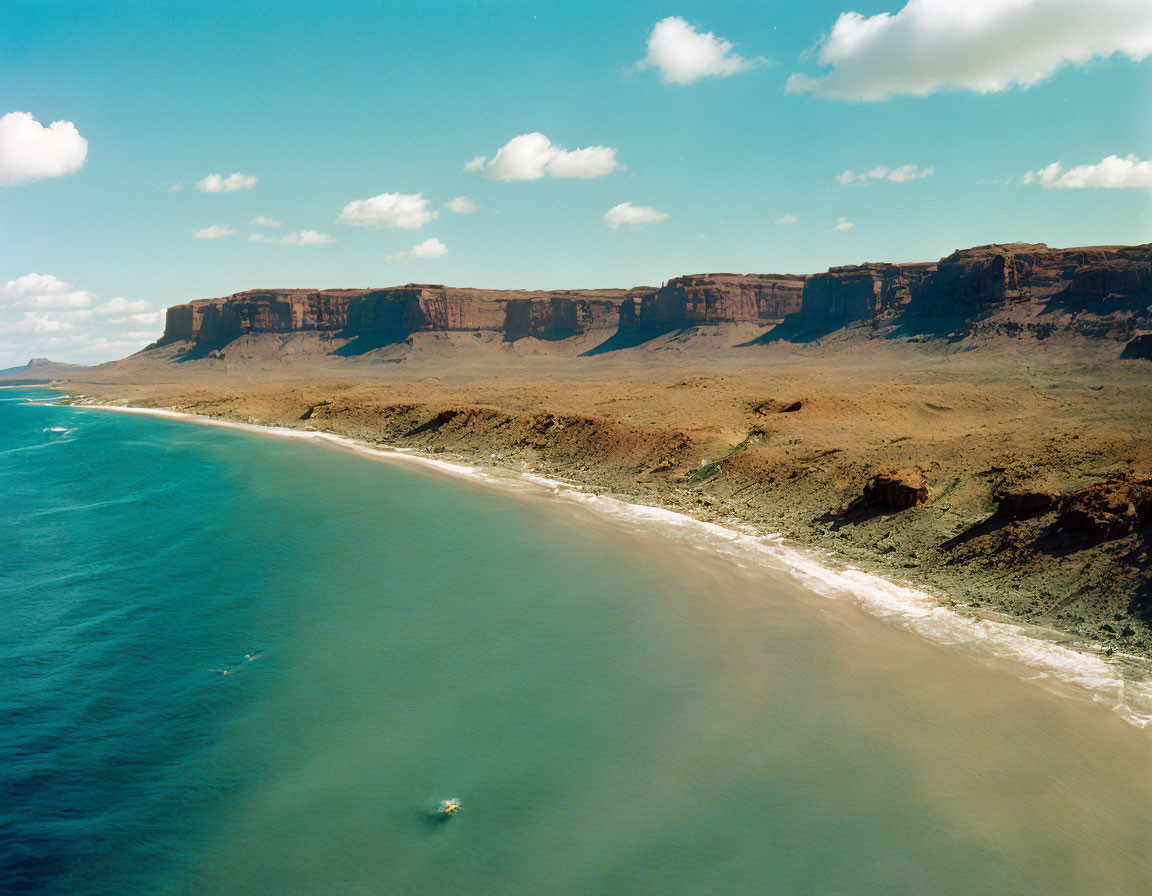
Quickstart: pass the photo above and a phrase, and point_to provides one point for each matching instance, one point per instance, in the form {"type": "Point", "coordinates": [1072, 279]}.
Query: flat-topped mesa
{"type": "Point", "coordinates": [970, 282]}
{"type": "Point", "coordinates": [964, 285]}
{"type": "Point", "coordinates": [399, 309]}
{"type": "Point", "coordinates": [717, 298]}
{"type": "Point", "coordinates": [258, 311]}
{"type": "Point", "coordinates": [513, 313]}
{"type": "Point", "coordinates": [863, 291]}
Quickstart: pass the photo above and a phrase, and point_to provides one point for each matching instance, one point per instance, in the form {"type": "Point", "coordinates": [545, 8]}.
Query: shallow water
{"type": "Point", "coordinates": [616, 710]}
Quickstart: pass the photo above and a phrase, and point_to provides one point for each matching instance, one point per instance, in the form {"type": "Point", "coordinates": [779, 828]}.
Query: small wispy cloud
{"type": "Point", "coordinates": [407, 211]}
{"type": "Point", "coordinates": [843, 224]}
{"type": "Point", "coordinates": [214, 232]}
{"type": "Point", "coordinates": [787, 219]}
{"type": "Point", "coordinates": [533, 156]}
{"type": "Point", "coordinates": [171, 187]}
{"type": "Point", "coordinates": [901, 175]}
{"type": "Point", "coordinates": [430, 248]}
{"type": "Point", "coordinates": [266, 221]}
{"type": "Point", "coordinates": [634, 216]}
{"type": "Point", "coordinates": [462, 205]}
{"type": "Point", "coordinates": [307, 238]}
{"type": "Point", "coordinates": [218, 183]}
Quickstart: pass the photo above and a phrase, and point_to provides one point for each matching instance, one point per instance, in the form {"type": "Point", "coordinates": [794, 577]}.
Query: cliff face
{"type": "Point", "coordinates": [258, 311]}
{"type": "Point", "coordinates": [970, 282]}
{"type": "Point", "coordinates": [966, 284]}
{"type": "Point", "coordinates": [719, 298]}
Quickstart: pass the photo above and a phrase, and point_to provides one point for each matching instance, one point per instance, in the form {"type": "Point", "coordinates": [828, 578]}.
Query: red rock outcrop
{"type": "Point", "coordinates": [719, 298]}
{"type": "Point", "coordinates": [1109, 509]}
{"type": "Point", "coordinates": [862, 292]}
{"type": "Point", "coordinates": [890, 493]}
{"type": "Point", "coordinates": [970, 282]}
{"type": "Point", "coordinates": [1114, 283]}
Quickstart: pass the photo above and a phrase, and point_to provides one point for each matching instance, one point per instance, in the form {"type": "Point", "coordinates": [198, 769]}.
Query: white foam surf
{"type": "Point", "coordinates": [1122, 682]}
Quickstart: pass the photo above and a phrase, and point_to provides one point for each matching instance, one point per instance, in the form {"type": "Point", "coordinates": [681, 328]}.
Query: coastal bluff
{"type": "Point", "coordinates": [1107, 289]}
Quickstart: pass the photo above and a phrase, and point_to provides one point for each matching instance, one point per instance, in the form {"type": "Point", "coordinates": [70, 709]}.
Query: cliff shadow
{"type": "Point", "coordinates": [556, 335]}
{"type": "Point", "coordinates": [362, 343]}
{"type": "Point", "coordinates": [796, 328]}
{"type": "Point", "coordinates": [198, 351]}
{"type": "Point", "coordinates": [628, 337]}
{"type": "Point", "coordinates": [954, 325]}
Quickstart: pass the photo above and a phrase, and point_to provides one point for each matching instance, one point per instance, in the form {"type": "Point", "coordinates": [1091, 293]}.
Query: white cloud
{"type": "Point", "coordinates": [787, 219]}
{"type": "Point", "coordinates": [684, 55]}
{"type": "Point", "coordinates": [900, 175]}
{"type": "Point", "coordinates": [171, 188]}
{"type": "Point", "coordinates": [30, 151]}
{"type": "Point", "coordinates": [476, 163]}
{"type": "Point", "coordinates": [462, 205]}
{"type": "Point", "coordinates": [982, 45]}
{"type": "Point", "coordinates": [635, 216]}
{"type": "Point", "coordinates": [307, 238]}
{"type": "Point", "coordinates": [217, 183]}
{"type": "Point", "coordinates": [44, 292]}
{"type": "Point", "coordinates": [214, 232]}
{"type": "Point", "coordinates": [407, 211]}
{"type": "Point", "coordinates": [430, 248]}
{"type": "Point", "coordinates": [844, 224]}
{"type": "Point", "coordinates": [44, 316]}
{"type": "Point", "coordinates": [120, 306]}
{"type": "Point", "coordinates": [533, 156]}
{"type": "Point", "coordinates": [261, 238]}
{"type": "Point", "coordinates": [266, 221]}
{"type": "Point", "coordinates": [1111, 173]}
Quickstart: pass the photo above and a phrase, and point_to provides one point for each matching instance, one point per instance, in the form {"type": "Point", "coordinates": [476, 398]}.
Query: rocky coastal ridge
{"type": "Point", "coordinates": [1108, 289]}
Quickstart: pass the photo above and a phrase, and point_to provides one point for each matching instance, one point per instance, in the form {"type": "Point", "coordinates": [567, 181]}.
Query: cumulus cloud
{"type": "Point", "coordinates": [683, 54]}
{"type": "Point", "coordinates": [44, 292]}
{"type": "Point", "coordinates": [44, 316]}
{"type": "Point", "coordinates": [30, 151]}
{"type": "Point", "coordinates": [843, 224]}
{"type": "Point", "coordinates": [634, 216]}
{"type": "Point", "coordinates": [476, 163]}
{"type": "Point", "coordinates": [307, 238]}
{"type": "Point", "coordinates": [407, 211]}
{"type": "Point", "coordinates": [266, 221]}
{"type": "Point", "coordinates": [1112, 173]}
{"type": "Point", "coordinates": [462, 205]}
{"type": "Point", "coordinates": [214, 232]}
{"type": "Point", "coordinates": [900, 175]}
{"type": "Point", "coordinates": [787, 219]}
{"type": "Point", "coordinates": [430, 248]}
{"type": "Point", "coordinates": [533, 156]}
{"type": "Point", "coordinates": [982, 45]}
{"type": "Point", "coordinates": [218, 183]}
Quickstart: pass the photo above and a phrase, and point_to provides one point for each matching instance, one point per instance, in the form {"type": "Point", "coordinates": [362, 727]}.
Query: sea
{"type": "Point", "coordinates": [242, 662]}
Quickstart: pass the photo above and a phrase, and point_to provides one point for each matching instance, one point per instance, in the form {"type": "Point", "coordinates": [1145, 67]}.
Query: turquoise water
{"type": "Point", "coordinates": [618, 712]}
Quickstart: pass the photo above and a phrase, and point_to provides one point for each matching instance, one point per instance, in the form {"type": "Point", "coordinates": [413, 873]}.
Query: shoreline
{"type": "Point", "coordinates": [1122, 681]}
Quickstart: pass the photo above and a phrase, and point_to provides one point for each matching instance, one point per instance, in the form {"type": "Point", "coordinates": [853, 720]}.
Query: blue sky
{"type": "Point", "coordinates": [327, 104]}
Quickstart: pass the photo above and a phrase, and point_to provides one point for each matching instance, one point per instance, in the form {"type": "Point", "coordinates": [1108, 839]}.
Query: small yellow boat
{"type": "Point", "coordinates": [448, 808]}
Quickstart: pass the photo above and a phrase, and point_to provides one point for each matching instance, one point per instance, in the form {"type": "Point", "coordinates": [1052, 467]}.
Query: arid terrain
{"type": "Point", "coordinates": [998, 453]}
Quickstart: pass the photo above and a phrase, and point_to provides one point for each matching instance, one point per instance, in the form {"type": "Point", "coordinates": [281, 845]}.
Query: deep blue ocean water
{"type": "Point", "coordinates": [617, 712]}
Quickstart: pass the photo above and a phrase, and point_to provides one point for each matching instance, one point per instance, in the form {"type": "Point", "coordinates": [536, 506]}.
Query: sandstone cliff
{"type": "Point", "coordinates": [1107, 290]}
{"type": "Point", "coordinates": [971, 282]}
